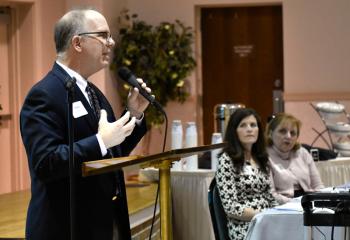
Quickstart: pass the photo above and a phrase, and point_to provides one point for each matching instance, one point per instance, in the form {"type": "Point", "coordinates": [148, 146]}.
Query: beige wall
{"type": "Point", "coordinates": [316, 46]}
{"type": "Point", "coordinates": [32, 55]}
{"type": "Point", "coordinates": [316, 62]}
{"type": "Point", "coordinates": [316, 52]}
{"type": "Point", "coordinates": [316, 37]}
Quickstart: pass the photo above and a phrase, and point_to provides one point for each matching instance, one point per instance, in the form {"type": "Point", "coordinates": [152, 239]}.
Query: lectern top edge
{"type": "Point", "coordinates": [108, 165]}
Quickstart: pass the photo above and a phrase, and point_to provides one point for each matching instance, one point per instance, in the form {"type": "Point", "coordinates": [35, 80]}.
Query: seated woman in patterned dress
{"type": "Point", "coordinates": [243, 175]}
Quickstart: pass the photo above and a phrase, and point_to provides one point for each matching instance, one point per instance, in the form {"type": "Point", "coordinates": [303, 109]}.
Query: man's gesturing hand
{"type": "Point", "coordinates": [115, 133]}
{"type": "Point", "coordinates": [136, 103]}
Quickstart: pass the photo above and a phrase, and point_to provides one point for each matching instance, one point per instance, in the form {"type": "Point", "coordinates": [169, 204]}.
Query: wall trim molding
{"type": "Point", "coordinates": [321, 96]}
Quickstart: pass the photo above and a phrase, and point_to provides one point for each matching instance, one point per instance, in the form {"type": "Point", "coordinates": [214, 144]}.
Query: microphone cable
{"type": "Point", "coordinates": [338, 209]}
{"type": "Point", "coordinates": [126, 75]}
{"type": "Point", "coordinates": [157, 195]}
{"type": "Point", "coordinates": [319, 230]}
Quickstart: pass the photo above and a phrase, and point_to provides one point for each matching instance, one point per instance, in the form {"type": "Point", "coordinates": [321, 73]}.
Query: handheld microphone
{"type": "Point", "coordinates": [125, 74]}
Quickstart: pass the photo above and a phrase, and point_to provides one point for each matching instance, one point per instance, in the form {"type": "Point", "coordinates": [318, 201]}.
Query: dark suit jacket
{"type": "Point", "coordinates": [44, 130]}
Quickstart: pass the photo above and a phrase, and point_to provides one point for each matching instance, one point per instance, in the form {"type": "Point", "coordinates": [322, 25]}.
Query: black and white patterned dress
{"type": "Point", "coordinates": [248, 189]}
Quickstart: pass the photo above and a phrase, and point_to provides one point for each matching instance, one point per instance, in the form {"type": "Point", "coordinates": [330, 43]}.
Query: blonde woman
{"type": "Point", "coordinates": [293, 170]}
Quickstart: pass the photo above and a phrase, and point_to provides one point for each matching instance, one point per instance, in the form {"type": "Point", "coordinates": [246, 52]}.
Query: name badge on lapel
{"type": "Point", "coordinates": [79, 110]}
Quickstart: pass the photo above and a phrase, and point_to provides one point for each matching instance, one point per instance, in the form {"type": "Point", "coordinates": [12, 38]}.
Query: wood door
{"type": "Point", "coordinates": [6, 122]}
{"type": "Point", "coordinates": [242, 59]}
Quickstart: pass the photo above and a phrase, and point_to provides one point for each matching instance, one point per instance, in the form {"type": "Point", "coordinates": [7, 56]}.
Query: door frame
{"type": "Point", "coordinates": [198, 54]}
{"type": "Point", "coordinates": [22, 65]}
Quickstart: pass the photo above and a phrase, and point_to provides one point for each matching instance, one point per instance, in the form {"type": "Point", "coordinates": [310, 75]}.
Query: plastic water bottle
{"type": "Point", "coordinates": [191, 140]}
{"type": "Point", "coordinates": [215, 138]}
{"type": "Point", "coordinates": [176, 141]}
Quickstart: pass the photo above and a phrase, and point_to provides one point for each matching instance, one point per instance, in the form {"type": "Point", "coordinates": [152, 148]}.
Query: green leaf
{"type": "Point", "coordinates": [162, 55]}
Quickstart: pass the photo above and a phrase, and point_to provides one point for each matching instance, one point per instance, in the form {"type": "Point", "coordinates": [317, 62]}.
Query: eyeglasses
{"type": "Point", "coordinates": [104, 34]}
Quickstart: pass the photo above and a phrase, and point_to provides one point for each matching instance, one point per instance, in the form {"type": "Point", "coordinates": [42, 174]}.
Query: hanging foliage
{"type": "Point", "coordinates": [161, 55]}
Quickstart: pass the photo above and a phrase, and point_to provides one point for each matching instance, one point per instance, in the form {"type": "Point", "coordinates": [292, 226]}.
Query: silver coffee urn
{"type": "Point", "coordinates": [222, 113]}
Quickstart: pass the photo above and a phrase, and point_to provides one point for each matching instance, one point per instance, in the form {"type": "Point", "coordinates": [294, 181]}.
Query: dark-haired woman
{"type": "Point", "coordinates": [243, 174]}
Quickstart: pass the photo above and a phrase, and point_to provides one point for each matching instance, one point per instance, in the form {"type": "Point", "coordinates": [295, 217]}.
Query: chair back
{"type": "Point", "coordinates": [217, 213]}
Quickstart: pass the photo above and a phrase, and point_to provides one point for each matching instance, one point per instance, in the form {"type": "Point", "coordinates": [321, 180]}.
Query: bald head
{"type": "Point", "coordinates": [71, 24]}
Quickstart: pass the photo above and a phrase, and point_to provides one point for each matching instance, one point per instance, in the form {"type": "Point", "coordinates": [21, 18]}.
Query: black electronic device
{"type": "Point", "coordinates": [338, 202]}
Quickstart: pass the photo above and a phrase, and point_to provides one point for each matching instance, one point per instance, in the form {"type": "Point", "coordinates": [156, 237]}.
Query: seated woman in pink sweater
{"type": "Point", "coordinates": [293, 170]}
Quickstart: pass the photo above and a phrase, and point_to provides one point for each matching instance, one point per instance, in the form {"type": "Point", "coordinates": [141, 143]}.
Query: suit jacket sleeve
{"type": "Point", "coordinates": [44, 132]}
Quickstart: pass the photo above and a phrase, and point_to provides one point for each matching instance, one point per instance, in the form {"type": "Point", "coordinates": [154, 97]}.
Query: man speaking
{"type": "Point", "coordinates": [83, 45]}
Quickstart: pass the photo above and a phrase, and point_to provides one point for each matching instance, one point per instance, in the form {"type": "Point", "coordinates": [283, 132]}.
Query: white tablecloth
{"type": "Point", "coordinates": [275, 224]}
{"type": "Point", "coordinates": [191, 217]}
{"type": "Point", "coordinates": [334, 172]}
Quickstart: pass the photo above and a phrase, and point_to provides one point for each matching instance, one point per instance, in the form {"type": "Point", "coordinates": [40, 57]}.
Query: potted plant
{"type": "Point", "coordinates": [161, 55]}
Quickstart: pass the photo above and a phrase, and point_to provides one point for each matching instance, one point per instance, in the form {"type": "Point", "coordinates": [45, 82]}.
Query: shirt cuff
{"type": "Point", "coordinates": [102, 145]}
{"type": "Point", "coordinates": [138, 121]}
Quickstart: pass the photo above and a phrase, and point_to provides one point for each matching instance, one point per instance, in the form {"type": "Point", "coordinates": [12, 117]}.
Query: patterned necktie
{"type": "Point", "coordinates": [94, 103]}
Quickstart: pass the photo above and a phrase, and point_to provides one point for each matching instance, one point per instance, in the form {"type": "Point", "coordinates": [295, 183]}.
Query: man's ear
{"type": "Point", "coordinates": [76, 43]}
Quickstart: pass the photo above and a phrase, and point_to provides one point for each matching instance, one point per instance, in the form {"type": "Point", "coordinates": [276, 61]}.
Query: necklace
{"type": "Point", "coordinates": [251, 162]}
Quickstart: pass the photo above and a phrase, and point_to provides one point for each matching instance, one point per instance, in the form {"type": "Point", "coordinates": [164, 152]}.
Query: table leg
{"type": "Point", "coordinates": [308, 233]}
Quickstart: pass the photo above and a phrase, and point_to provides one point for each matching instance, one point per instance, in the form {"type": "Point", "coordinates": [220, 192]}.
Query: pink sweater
{"type": "Point", "coordinates": [299, 168]}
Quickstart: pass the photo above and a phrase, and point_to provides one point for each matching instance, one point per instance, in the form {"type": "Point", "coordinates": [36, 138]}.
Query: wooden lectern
{"type": "Point", "coordinates": [163, 162]}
